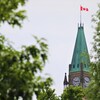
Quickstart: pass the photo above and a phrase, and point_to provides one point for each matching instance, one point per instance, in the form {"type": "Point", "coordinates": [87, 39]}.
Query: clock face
{"type": "Point", "coordinates": [86, 81]}
{"type": "Point", "coordinates": [76, 81]}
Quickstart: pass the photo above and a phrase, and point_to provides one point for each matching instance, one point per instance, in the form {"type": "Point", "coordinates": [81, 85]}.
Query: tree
{"type": "Point", "coordinates": [72, 93]}
{"type": "Point", "coordinates": [18, 70]}
{"type": "Point", "coordinates": [46, 92]}
{"type": "Point", "coordinates": [93, 91]}
{"type": "Point", "coordinates": [9, 12]}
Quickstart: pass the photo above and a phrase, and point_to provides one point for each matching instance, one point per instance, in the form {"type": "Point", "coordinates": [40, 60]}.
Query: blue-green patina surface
{"type": "Point", "coordinates": [80, 54]}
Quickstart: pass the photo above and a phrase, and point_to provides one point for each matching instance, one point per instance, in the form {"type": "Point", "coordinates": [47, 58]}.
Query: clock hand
{"type": "Point", "coordinates": [76, 81]}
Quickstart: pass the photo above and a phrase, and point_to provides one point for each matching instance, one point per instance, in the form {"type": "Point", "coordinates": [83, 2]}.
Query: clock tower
{"type": "Point", "coordinates": [79, 67]}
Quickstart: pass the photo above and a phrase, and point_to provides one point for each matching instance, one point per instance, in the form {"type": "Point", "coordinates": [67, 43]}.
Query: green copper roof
{"type": "Point", "coordinates": [80, 54]}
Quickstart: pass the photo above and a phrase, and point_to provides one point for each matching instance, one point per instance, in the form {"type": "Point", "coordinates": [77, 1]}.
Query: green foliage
{"type": "Point", "coordinates": [93, 91]}
{"type": "Point", "coordinates": [18, 70]}
{"type": "Point", "coordinates": [48, 94]}
{"type": "Point", "coordinates": [45, 92]}
{"type": "Point", "coordinates": [72, 93]}
{"type": "Point", "coordinates": [96, 37]}
{"type": "Point", "coordinates": [9, 12]}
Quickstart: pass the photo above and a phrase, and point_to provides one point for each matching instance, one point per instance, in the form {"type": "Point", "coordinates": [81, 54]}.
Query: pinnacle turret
{"type": "Point", "coordinates": [65, 83]}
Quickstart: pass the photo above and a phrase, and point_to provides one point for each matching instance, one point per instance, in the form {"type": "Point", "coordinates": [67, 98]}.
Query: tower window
{"type": "Point", "coordinates": [85, 65]}
{"type": "Point", "coordinates": [77, 65]}
{"type": "Point", "coordinates": [70, 66]}
{"type": "Point", "coordinates": [73, 66]}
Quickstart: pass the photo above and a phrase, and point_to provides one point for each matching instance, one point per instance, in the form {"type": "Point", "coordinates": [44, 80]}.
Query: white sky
{"type": "Point", "coordinates": [55, 20]}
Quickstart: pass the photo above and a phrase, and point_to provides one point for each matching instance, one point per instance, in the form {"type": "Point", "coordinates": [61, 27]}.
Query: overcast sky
{"type": "Point", "coordinates": [57, 21]}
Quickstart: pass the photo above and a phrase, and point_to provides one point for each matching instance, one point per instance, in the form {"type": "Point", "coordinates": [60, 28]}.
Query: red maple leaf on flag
{"type": "Point", "coordinates": [83, 9]}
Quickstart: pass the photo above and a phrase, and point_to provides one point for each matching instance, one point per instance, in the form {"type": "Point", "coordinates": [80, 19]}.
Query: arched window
{"type": "Point", "coordinates": [73, 66]}
{"type": "Point", "coordinates": [77, 65]}
{"type": "Point", "coordinates": [85, 65]}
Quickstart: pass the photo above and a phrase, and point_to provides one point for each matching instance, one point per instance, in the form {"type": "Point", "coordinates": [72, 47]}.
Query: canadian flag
{"type": "Point", "coordinates": [83, 9]}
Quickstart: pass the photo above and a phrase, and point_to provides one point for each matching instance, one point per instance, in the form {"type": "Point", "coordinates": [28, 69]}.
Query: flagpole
{"type": "Point", "coordinates": [82, 9]}
{"type": "Point", "coordinates": [80, 16]}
